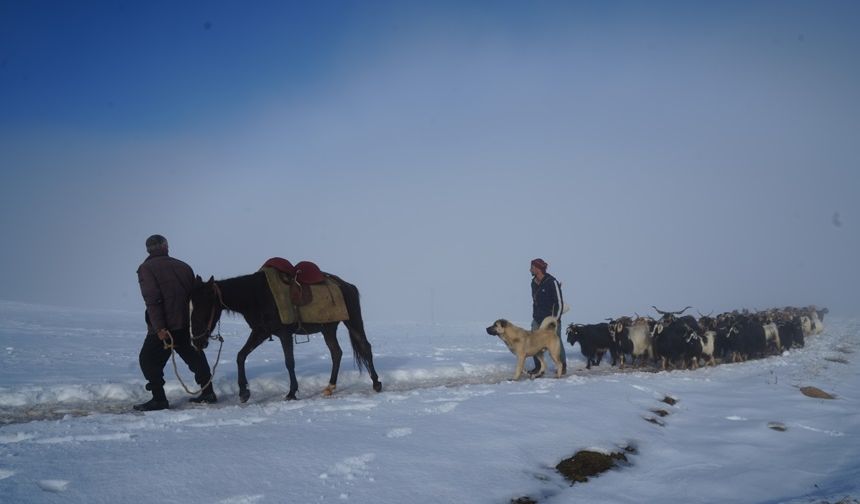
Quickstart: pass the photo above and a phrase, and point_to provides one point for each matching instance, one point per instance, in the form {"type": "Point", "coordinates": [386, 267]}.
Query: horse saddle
{"type": "Point", "coordinates": [299, 278]}
{"type": "Point", "coordinates": [303, 294]}
{"type": "Point", "coordinates": [300, 294]}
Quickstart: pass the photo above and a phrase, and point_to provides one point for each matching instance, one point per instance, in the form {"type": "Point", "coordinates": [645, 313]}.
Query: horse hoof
{"type": "Point", "coordinates": [329, 390]}
{"type": "Point", "coordinates": [244, 395]}
{"type": "Point", "coordinates": [291, 397]}
{"type": "Point", "coordinates": [377, 386]}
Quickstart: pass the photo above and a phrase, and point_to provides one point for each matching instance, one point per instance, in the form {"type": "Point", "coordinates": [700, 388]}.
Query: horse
{"type": "Point", "coordinates": [250, 296]}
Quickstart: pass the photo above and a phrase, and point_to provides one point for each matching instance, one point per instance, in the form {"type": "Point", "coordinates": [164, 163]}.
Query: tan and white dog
{"type": "Point", "coordinates": [524, 343]}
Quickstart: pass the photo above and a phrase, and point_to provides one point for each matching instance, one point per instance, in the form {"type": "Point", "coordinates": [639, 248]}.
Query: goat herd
{"type": "Point", "coordinates": [677, 340]}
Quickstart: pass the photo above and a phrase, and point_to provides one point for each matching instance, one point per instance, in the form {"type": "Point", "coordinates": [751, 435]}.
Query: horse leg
{"type": "Point", "coordinates": [362, 349]}
{"type": "Point", "coordinates": [330, 334]}
{"type": "Point", "coordinates": [290, 361]}
{"type": "Point", "coordinates": [255, 339]}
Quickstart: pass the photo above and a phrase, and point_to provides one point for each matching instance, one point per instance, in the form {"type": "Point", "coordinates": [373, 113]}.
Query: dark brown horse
{"type": "Point", "coordinates": [251, 297]}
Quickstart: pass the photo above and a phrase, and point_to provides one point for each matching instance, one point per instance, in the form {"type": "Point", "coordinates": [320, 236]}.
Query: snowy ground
{"type": "Point", "coordinates": [449, 426]}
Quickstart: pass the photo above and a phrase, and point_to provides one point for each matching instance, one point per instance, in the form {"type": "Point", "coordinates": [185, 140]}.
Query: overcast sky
{"type": "Point", "coordinates": [666, 153]}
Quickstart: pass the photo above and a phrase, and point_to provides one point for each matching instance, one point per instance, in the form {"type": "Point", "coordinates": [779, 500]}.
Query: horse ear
{"type": "Point", "coordinates": [211, 279]}
{"type": "Point", "coordinates": [198, 280]}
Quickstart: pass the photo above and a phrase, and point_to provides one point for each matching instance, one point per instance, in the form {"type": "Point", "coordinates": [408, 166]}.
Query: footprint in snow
{"type": "Point", "coordinates": [654, 421]}
{"type": "Point", "coordinates": [55, 486]}
{"type": "Point", "coordinates": [671, 401]}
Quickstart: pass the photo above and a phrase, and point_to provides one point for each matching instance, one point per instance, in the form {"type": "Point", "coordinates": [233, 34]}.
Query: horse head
{"type": "Point", "coordinates": [206, 307]}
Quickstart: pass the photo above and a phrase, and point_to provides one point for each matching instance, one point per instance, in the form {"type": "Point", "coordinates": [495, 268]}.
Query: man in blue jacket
{"type": "Point", "coordinates": [546, 300]}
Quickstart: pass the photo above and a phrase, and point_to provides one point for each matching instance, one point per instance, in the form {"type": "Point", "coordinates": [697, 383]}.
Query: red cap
{"type": "Point", "coordinates": [540, 264]}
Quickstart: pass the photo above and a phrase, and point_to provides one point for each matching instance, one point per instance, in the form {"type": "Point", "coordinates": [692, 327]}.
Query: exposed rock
{"type": "Point", "coordinates": [777, 426]}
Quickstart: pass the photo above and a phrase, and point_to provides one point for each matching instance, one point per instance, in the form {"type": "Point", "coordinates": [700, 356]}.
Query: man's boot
{"type": "Point", "coordinates": [207, 396]}
{"type": "Point", "coordinates": [158, 401]}
{"type": "Point", "coordinates": [534, 371]}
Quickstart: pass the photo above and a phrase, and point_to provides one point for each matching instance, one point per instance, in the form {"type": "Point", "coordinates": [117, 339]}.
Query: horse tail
{"type": "Point", "coordinates": [361, 348]}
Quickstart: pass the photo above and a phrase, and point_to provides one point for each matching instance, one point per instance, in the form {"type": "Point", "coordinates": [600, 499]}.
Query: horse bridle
{"type": "Point", "coordinates": [210, 324]}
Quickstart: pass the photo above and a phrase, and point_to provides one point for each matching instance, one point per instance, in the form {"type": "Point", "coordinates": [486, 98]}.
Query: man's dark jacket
{"type": "Point", "coordinates": [547, 298]}
{"type": "Point", "coordinates": [166, 285]}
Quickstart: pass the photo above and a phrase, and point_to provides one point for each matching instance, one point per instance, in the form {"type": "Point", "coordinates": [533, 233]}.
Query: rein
{"type": "Point", "coordinates": [208, 332]}
{"type": "Point", "coordinates": [169, 344]}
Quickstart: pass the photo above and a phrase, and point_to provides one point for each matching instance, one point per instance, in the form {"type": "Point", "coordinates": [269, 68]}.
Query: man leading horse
{"type": "Point", "coordinates": [166, 283]}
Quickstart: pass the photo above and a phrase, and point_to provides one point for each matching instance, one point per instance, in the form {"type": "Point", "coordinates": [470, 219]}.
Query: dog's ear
{"type": "Point", "coordinates": [503, 322]}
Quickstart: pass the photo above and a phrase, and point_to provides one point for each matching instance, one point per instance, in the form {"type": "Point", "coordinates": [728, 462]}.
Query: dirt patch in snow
{"type": "Point", "coordinates": [816, 393]}
{"type": "Point", "coordinates": [586, 464]}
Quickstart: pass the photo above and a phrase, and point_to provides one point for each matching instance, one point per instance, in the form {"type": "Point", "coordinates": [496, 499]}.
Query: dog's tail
{"type": "Point", "coordinates": [549, 323]}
